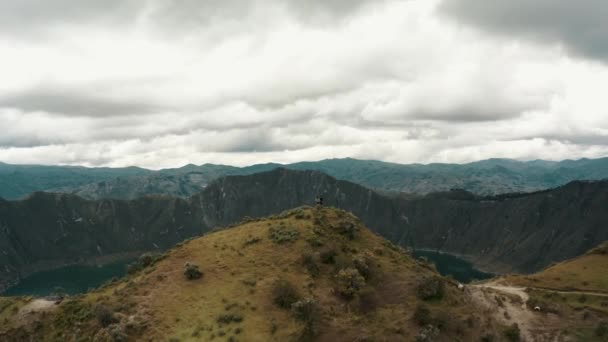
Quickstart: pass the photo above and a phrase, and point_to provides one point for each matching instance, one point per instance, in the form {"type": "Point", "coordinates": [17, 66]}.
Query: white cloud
{"type": "Point", "coordinates": [159, 85]}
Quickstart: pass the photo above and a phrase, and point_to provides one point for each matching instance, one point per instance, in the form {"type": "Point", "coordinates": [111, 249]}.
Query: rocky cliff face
{"type": "Point", "coordinates": [504, 233]}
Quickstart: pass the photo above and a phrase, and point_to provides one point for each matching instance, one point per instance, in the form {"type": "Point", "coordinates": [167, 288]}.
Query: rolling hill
{"type": "Point", "coordinates": [309, 274]}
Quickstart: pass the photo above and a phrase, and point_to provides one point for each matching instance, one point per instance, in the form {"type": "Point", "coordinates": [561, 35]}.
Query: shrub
{"type": "Point", "coordinates": [104, 315]}
{"type": "Point", "coordinates": [422, 315]}
{"type": "Point", "coordinates": [308, 260]}
{"type": "Point", "coordinates": [229, 318]}
{"type": "Point", "coordinates": [512, 333]}
{"type": "Point", "coordinates": [602, 329]}
{"type": "Point", "coordinates": [431, 288]}
{"type": "Point", "coordinates": [350, 282]}
{"type": "Point", "coordinates": [146, 259]}
{"type": "Point", "coordinates": [427, 334]}
{"type": "Point", "coordinates": [487, 338]}
{"type": "Point", "coordinates": [348, 229]}
{"type": "Point", "coordinates": [328, 255]}
{"type": "Point", "coordinates": [284, 294]}
{"type": "Point", "coordinates": [191, 271]}
{"type": "Point", "coordinates": [281, 235]}
{"type": "Point", "coordinates": [305, 309]}
{"type": "Point", "coordinates": [362, 265]}
{"type": "Point", "coordinates": [117, 333]}
{"type": "Point", "coordinates": [251, 240]}
{"type": "Point", "coordinates": [133, 268]}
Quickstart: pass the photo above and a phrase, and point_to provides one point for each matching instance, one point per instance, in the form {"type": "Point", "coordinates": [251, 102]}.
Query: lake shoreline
{"type": "Point", "coordinates": [448, 264]}
{"type": "Point", "coordinates": [54, 265]}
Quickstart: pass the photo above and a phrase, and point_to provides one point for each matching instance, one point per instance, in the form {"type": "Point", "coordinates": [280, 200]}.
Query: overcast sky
{"type": "Point", "coordinates": [162, 83]}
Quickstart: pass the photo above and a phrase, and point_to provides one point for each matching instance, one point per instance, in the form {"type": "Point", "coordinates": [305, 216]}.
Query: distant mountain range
{"type": "Point", "coordinates": [487, 177]}
{"type": "Point", "coordinates": [516, 232]}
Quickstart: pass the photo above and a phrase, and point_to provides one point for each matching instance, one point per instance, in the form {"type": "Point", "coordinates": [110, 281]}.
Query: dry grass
{"type": "Point", "coordinates": [238, 279]}
{"type": "Point", "coordinates": [588, 273]}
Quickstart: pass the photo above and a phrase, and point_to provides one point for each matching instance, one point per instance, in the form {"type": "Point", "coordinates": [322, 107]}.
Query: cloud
{"type": "Point", "coordinates": [161, 83]}
{"type": "Point", "coordinates": [73, 102]}
{"type": "Point", "coordinates": [579, 26]}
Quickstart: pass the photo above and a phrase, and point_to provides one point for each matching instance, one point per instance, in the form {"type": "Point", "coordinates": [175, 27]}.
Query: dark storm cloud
{"type": "Point", "coordinates": [70, 102]}
{"type": "Point", "coordinates": [579, 25]}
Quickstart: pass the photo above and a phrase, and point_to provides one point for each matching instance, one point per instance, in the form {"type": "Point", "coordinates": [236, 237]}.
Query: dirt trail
{"type": "Point", "coordinates": [28, 312]}
{"type": "Point", "coordinates": [509, 306]}
{"type": "Point", "coordinates": [508, 303]}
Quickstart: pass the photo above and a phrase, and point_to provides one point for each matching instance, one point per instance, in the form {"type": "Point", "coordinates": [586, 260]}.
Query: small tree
{"type": "Point", "coordinates": [431, 288]}
{"type": "Point", "coordinates": [350, 282]}
{"type": "Point", "coordinates": [192, 272]}
{"type": "Point", "coordinates": [104, 316]}
{"type": "Point", "coordinates": [512, 333]}
{"type": "Point", "coordinates": [422, 315]}
{"type": "Point", "coordinates": [284, 294]}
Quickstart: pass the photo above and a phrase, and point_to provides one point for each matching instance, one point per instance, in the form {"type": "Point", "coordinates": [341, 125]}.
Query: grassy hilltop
{"type": "Point", "coordinates": [309, 274]}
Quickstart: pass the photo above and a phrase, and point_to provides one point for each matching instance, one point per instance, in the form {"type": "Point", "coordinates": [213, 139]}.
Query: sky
{"type": "Point", "coordinates": [164, 83]}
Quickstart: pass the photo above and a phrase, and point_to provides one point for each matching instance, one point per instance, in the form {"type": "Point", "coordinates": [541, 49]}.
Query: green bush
{"type": "Point", "coordinates": [308, 260]}
{"type": "Point", "coordinates": [305, 309]}
{"type": "Point", "coordinates": [229, 318]}
{"type": "Point", "coordinates": [328, 255]}
{"type": "Point", "coordinates": [422, 315]}
{"type": "Point", "coordinates": [191, 271]}
{"type": "Point", "coordinates": [348, 229]}
{"type": "Point", "coordinates": [428, 333]}
{"type": "Point", "coordinates": [104, 315]}
{"type": "Point", "coordinates": [431, 288]}
{"type": "Point", "coordinates": [602, 329]}
{"type": "Point", "coordinates": [284, 294]}
{"type": "Point", "coordinates": [350, 282]}
{"type": "Point", "coordinates": [281, 235]}
{"type": "Point", "coordinates": [362, 265]}
{"type": "Point", "coordinates": [512, 333]}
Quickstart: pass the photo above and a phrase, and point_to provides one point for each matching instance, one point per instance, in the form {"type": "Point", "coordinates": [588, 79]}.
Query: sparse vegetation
{"type": "Point", "coordinates": [431, 288]}
{"type": "Point", "coordinates": [348, 229]}
{"type": "Point", "coordinates": [427, 334]}
{"type": "Point", "coordinates": [309, 262]}
{"type": "Point", "coordinates": [229, 318]}
{"type": "Point", "coordinates": [350, 282]}
{"type": "Point", "coordinates": [284, 294]}
{"type": "Point", "coordinates": [328, 255]}
{"type": "Point", "coordinates": [512, 333]}
{"type": "Point", "coordinates": [251, 240]}
{"type": "Point", "coordinates": [369, 295]}
{"type": "Point", "coordinates": [192, 271]}
{"type": "Point", "coordinates": [104, 316]}
{"type": "Point", "coordinates": [422, 315]}
{"type": "Point", "coordinates": [282, 234]}
{"type": "Point", "coordinates": [305, 309]}
{"type": "Point", "coordinates": [362, 265]}
{"type": "Point", "coordinates": [602, 330]}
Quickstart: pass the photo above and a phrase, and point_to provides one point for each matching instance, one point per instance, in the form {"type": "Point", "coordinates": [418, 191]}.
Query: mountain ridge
{"type": "Point", "coordinates": [486, 177]}
{"type": "Point", "coordinates": [543, 227]}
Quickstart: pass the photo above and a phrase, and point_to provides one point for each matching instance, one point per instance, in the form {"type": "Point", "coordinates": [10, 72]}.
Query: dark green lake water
{"type": "Point", "coordinates": [72, 279]}
{"type": "Point", "coordinates": [447, 264]}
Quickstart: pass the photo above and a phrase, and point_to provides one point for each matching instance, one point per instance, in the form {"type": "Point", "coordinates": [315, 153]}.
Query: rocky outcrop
{"type": "Point", "coordinates": [523, 232]}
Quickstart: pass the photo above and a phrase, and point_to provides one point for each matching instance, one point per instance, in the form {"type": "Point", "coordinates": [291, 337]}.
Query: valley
{"type": "Point", "coordinates": [522, 233]}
